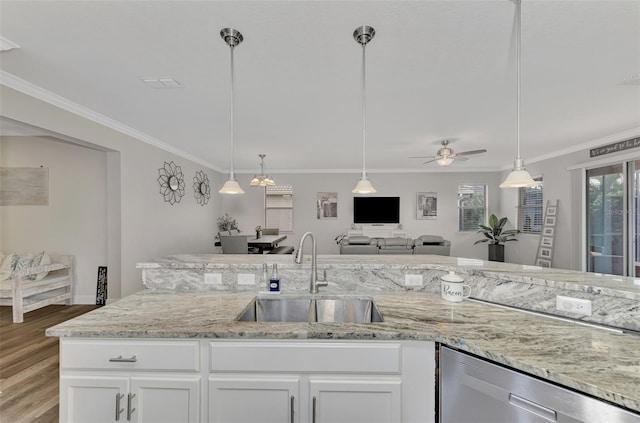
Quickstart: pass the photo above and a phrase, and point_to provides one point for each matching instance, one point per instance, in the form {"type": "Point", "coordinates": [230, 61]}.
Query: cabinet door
{"type": "Point", "coordinates": [251, 399]}
{"type": "Point", "coordinates": [93, 399]}
{"type": "Point", "coordinates": [354, 400]}
{"type": "Point", "coordinates": [165, 400]}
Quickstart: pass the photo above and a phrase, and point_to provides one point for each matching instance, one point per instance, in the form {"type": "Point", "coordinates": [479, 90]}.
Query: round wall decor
{"type": "Point", "coordinates": [171, 182]}
{"type": "Point", "coordinates": [201, 188]}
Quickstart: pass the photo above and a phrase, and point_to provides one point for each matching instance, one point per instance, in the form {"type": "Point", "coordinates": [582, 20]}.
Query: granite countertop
{"type": "Point", "coordinates": [599, 362]}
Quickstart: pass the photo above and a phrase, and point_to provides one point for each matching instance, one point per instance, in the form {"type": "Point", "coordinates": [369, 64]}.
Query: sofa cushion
{"type": "Point", "coordinates": [429, 240]}
{"type": "Point", "coordinates": [359, 240]}
{"type": "Point", "coordinates": [395, 242]}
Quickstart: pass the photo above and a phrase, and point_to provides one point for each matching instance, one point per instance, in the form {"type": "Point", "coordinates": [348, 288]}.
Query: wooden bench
{"type": "Point", "coordinates": [25, 295]}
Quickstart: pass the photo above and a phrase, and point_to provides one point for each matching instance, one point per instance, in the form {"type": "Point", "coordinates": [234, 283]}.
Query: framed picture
{"type": "Point", "coordinates": [550, 220]}
{"type": "Point", "coordinates": [426, 205]}
{"type": "Point", "coordinates": [546, 241]}
{"type": "Point", "coordinates": [547, 231]}
{"type": "Point", "coordinates": [545, 252]}
{"type": "Point", "coordinates": [327, 205]}
{"type": "Point", "coordinates": [551, 210]}
{"type": "Point", "coordinates": [543, 263]}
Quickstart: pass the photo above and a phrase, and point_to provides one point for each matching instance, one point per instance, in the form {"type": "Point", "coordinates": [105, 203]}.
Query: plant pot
{"type": "Point", "coordinates": [496, 252]}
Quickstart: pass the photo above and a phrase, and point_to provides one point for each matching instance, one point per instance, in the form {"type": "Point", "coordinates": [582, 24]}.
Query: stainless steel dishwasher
{"type": "Point", "coordinates": [477, 391]}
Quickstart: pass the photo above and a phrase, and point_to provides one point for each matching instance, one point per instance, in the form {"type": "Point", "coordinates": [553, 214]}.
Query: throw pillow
{"type": "Point", "coordinates": [8, 265]}
{"type": "Point", "coordinates": [24, 261]}
{"type": "Point", "coordinates": [40, 260]}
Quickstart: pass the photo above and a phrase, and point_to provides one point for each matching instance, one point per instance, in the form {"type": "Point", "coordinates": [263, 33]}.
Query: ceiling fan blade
{"type": "Point", "coordinates": [422, 157]}
{"type": "Point", "coordinates": [433, 160]}
{"type": "Point", "coordinates": [470, 152]}
{"type": "Point", "coordinates": [463, 159]}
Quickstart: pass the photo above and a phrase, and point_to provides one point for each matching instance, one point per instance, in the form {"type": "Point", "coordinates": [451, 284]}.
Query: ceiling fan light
{"type": "Point", "coordinates": [231, 187]}
{"type": "Point", "coordinates": [444, 161]}
{"type": "Point", "coordinates": [364, 186]}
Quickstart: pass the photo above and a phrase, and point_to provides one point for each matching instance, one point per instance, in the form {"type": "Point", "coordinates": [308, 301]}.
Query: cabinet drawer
{"type": "Point", "coordinates": [334, 357]}
{"type": "Point", "coordinates": [136, 355]}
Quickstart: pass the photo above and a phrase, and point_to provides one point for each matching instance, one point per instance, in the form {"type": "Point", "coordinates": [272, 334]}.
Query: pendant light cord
{"type": "Point", "coordinates": [518, 54]}
{"type": "Point", "coordinates": [364, 112]}
{"type": "Point", "coordinates": [231, 173]}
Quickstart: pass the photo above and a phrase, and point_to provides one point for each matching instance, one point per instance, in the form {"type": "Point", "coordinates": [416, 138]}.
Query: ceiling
{"type": "Point", "coordinates": [435, 70]}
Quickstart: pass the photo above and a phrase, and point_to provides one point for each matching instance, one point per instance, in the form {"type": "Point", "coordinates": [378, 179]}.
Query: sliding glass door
{"type": "Point", "coordinates": [613, 219]}
{"type": "Point", "coordinates": [605, 220]}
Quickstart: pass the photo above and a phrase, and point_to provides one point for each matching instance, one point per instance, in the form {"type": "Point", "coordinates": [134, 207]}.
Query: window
{"type": "Point", "coordinates": [472, 206]}
{"type": "Point", "coordinates": [530, 209]}
{"type": "Point", "coordinates": [278, 207]}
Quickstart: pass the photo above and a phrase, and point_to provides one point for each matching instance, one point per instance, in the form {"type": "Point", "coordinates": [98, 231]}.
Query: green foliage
{"type": "Point", "coordinates": [495, 233]}
{"type": "Point", "coordinates": [227, 223]}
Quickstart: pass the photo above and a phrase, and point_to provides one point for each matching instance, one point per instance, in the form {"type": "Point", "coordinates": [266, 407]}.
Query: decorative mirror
{"type": "Point", "coordinates": [171, 182]}
{"type": "Point", "coordinates": [201, 188]}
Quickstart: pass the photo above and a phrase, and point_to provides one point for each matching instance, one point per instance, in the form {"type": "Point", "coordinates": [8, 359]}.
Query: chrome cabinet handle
{"type": "Point", "coordinates": [532, 407]}
{"type": "Point", "coordinates": [293, 408]}
{"type": "Point", "coordinates": [119, 410]}
{"type": "Point", "coordinates": [130, 409]}
{"type": "Point", "coordinates": [121, 359]}
{"type": "Point", "coordinates": [313, 410]}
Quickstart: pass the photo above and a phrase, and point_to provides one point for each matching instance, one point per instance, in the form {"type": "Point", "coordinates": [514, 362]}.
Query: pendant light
{"type": "Point", "coordinates": [519, 177]}
{"type": "Point", "coordinates": [363, 35]}
{"type": "Point", "coordinates": [232, 38]}
{"type": "Point", "coordinates": [262, 180]}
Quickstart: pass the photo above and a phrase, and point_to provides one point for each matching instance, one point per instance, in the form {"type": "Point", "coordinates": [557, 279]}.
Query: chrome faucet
{"type": "Point", "coordinates": [315, 283]}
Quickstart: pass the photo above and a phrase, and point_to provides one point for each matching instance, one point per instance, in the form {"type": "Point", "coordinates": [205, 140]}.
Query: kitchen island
{"type": "Point", "coordinates": [602, 363]}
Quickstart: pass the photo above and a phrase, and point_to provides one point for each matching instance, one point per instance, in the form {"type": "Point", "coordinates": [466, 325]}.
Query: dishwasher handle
{"type": "Point", "coordinates": [540, 410]}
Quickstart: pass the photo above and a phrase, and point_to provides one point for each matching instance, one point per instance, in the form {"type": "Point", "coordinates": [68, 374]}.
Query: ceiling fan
{"type": "Point", "coordinates": [446, 155]}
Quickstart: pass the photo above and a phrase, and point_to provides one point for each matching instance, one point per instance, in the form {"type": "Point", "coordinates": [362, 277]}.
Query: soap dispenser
{"type": "Point", "coordinates": [274, 281]}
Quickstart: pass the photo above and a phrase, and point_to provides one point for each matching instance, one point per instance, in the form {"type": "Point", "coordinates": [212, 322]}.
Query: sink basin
{"type": "Point", "coordinates": [312, 310]}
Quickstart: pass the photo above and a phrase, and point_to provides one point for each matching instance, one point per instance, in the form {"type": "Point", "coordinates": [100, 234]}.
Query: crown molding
{"type": "Point", "coordinates": [32, 90]}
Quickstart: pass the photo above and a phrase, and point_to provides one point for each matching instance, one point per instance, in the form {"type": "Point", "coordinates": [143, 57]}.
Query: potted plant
{"type": "Point", "coordinates": [227, 223]}
{"type": "Point", "coordinates": [496, 236]}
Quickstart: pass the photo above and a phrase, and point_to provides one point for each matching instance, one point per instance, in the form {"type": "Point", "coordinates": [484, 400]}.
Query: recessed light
{"type": "Point", "coordinates": [161, 82]}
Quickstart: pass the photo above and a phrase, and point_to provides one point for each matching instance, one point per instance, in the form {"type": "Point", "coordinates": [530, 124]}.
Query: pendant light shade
{"type": "Point", "coordinates": [232, 38]}
{"type": "Point", "coordinates": [363, 35]}
{"type": "Point", "coordinates": [519, 177]}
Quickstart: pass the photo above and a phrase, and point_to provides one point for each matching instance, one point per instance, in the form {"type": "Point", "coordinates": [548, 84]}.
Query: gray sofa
{"type": "Point", "coordinates": [431, 244]}
{"type": "Point", "coordinates": [424, 244]}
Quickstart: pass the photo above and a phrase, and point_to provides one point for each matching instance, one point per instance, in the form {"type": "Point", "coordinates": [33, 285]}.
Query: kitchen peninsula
{"type": "Point", "coordinates": [192, 302]}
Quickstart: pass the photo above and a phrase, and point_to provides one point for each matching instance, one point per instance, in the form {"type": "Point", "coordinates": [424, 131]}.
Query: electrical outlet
{"type": "Point", "coordinates": [213, 279]}
{"type": "Point", "coordinates": [573, 305]}
{"type": "Point", "coordinates": [246, 279]}
{"type": "Point", "coordinates": [412, 280]}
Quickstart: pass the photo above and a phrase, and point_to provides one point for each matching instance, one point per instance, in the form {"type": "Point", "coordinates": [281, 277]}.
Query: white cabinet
{"type": "Point", "coordinates": [355, 400]}
{"type": "Point", "coordinates": [315, 381]}
{"type": "Point", "coordinates": [257, 398]}
{"type": "Point", "coordinates": [130, 381]}
{"type": "Point", "coordinates": [246, 381]}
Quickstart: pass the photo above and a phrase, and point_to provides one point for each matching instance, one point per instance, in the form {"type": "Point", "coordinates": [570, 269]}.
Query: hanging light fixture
{"type": "Point", "coordinates": [519, 177]}
{"type": "Point", "coordinates": [262, 180]}
{"type": "Point", "coordinates": [232, 38]}
{"type": "Point", "coordinates": [363, 35]}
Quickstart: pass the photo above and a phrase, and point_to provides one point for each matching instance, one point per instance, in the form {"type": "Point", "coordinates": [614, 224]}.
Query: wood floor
{"type": "Point", "coordinates": [29, 363]}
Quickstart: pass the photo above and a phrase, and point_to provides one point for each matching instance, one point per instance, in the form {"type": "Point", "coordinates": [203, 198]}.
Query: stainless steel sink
{"type": "Point", "coordinates": [312, 310]}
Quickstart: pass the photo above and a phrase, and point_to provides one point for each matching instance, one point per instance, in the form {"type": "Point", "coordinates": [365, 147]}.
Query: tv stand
{"type": "Point", "coordinates": [378, 230]}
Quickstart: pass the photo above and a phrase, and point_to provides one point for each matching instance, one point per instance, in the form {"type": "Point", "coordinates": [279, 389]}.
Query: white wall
{"type": "Point", "coordinates": [74, 222]}
{"type": "Point", "coordinates": [248, 209]}
{"type": "Point", "coordinates": [149, 227]}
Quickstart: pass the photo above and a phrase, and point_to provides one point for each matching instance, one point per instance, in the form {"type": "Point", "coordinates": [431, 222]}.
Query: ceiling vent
{"type": "Point", "coordinates": [156, 82]}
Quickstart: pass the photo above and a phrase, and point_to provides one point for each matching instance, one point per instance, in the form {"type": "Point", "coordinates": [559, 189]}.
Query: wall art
{"type": "Point", "coordinates": [327, 205]}
{"type": "Point", "coordinates": [426, 205]}
{"type": "Point", "coordinates": [201, 188]}
{"type": "Point", "coordinates": [171, 182]}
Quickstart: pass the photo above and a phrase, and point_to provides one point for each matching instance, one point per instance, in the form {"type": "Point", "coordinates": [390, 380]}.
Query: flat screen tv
{"type": "Point", "coordinates": [376, 209]}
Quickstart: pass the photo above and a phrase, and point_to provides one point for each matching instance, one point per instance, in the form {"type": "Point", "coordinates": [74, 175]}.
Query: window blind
{"type": "Point", "coordinates": [279, 207]}
{"type": "Point", "coordinates": [471, 206]}
{"type": "Point", "coordinates": [531, 209]}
